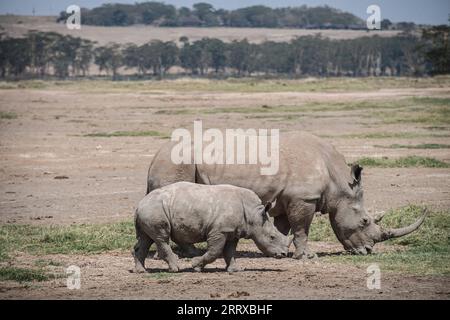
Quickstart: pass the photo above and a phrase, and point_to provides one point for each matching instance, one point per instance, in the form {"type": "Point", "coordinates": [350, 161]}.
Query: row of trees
{"type": "Point", "coordinates": [40, 54]}
{"type": "Point", "coordinates": [204, 14]}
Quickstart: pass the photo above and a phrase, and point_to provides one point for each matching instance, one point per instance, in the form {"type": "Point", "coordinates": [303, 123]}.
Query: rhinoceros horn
{"type": "Point", "coordinates": [395, 233]}
{"type": "Point", "coordinates": [290, 240]}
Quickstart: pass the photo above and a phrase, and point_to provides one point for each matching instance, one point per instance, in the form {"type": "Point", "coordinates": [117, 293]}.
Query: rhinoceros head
{"type": "Point", "coordinates": [266, 236]}
{"type": "Point", "coordinates": [354, 227]}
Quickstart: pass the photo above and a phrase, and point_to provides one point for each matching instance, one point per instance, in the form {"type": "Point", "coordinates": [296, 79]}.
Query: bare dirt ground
{"type": "Point", "coordinates": [139, 34]}
{"type": "Point", "coordinates": [109, 276]}
{"type": "Point", "coordinates": [106, 177]}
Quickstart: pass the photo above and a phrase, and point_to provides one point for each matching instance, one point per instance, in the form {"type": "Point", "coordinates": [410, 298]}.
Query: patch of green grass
{"type": "Point", "coordinates": [7, 115]}
{"type": "Point", "coordinates": [430, 116]}
{"type": "Point", "coordinates": [416, 146]}
{"type": "Point", "coordinates": [75, 239]}
{"type": "Point", "coordinates": [202, 245]}
{"type": "Point", "coordinates": [270, 85]}
{"type": "Point", "coordinates": [72, 239]}
{"type": "Point", "coordinates": [417, 261]}
{"type": "Point", "coordinates": [46, 262]}
{"type": "Point", "coordinates": [25, 84]}
{"type": "Point", "coordinates": [4, 256]}
{"type": "Point", "coordinates": [233, 84]}
{"type": "Point", "coordinates": [161, 275]}
{"type": "Point", "coordinates": [280, 110]}
{"type": "Point", "coordinates": [22, 274]}
{"type": "Point", "coordinates": [35, 84]}
{"type": "Point", "coordinates": [7, 85]}
{"type": "Point", "coordinates": [175, 111]}
{"type": "Point", "coordinates": [411, 107]}
{"type": "Point", "coordinates": [403, 162]}
{"type": "Point", "coordinates": [437, 128]}
{"type": "Point", "coordinates": [389, 135]}
{"type": "Point", "coordinates": [424, 110]}
{"type": "Point", "coordinates": [127, 134]}
{"type": "Point", "coordinates": [434, 234]}
{"type": "Point", "coordinates": [425, 251]}
{"type": "Point", "coordinates": [436, 101]}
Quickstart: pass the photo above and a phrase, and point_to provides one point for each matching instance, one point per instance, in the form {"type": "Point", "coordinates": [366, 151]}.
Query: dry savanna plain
{"type": "Point", "coordinates": [73, 163]}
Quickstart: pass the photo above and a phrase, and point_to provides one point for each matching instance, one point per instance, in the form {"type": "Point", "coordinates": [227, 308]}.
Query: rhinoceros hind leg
{"type": "Point", "coordinates": [165, 252]}
{"type": "Point", "coordinates": [140, 252]}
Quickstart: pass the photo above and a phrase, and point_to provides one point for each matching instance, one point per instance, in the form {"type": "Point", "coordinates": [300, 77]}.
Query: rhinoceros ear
{"type": "Point", "coordinates": [269, 205]}
{"type": "Point", "coordinates": [356, 174]}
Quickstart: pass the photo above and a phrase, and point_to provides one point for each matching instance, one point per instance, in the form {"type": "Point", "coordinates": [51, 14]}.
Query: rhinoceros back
{"type": "Point", "coordinates": [163, 171]}
{"type": "Point", "coordinates": [305, 163]}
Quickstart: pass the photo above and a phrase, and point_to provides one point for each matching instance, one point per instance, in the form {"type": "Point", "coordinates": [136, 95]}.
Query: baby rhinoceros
{"type": "Point", "coordinates": [189, 213]}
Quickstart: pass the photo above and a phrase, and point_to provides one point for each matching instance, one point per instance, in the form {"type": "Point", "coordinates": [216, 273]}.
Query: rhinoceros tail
{"type": "Point", "coordinates": [136, 225]}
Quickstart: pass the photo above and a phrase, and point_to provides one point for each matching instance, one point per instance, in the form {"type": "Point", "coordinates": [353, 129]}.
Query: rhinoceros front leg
{"type": "Point", "coordinates": [228, 254]}
{"type": "Point", "coordinates": [216, 243]}
{"type": "Point", "coordinates": [300, 215]}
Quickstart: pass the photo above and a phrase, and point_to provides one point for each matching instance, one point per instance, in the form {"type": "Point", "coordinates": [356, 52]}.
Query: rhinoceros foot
{"type": "Point", "coordinates": [197, 264]}
{"type": "Point", "coordinates": [139, 269]}
{"type": "Point", "coordinates": [174, 269]}
{"type": "Point", "coordinates": [304, 255]}
{"type": "Point", "coordinates": [234, 269]}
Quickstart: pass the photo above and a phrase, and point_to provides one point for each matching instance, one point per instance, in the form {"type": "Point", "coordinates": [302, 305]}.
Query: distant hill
{"type": "Point", "coordinates": [17, 26]}
{"type": "Point", "coordinates": [205, 15]}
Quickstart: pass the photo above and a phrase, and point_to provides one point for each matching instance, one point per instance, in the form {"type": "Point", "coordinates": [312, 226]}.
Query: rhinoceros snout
{"type": "Point", "coordinates": [281, 255]}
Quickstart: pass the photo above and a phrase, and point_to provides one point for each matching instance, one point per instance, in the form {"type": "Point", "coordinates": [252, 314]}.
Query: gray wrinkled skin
{"type": "Point", "coordinates": [189, 213]}
{"type": "Point", "coordinates": [313, 177]}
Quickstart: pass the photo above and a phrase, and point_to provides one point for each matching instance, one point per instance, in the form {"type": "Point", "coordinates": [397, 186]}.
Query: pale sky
{"type": "Point", "coordinates": [418, 11]}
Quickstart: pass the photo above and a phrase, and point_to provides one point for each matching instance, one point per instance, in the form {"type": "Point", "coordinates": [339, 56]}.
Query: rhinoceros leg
{"type": "Point", "coordinates": [187, 250]}
{"type": "Point", "coordinates": [165, 252]}
{"type": "Point", "coordinates": [216, 243]}
{"type": "Point", "coordinates": [300, 215]}
{"type": "Point", "coordinates": [228, 254]}
{"type": "Point", "coordinates": [184, 251]}
{"type": "Point", "coordinates": [141, 250]}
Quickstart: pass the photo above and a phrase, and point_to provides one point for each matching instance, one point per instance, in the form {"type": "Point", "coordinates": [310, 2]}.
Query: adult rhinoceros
{"type": "Point", "coordinates": [312, 177]}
